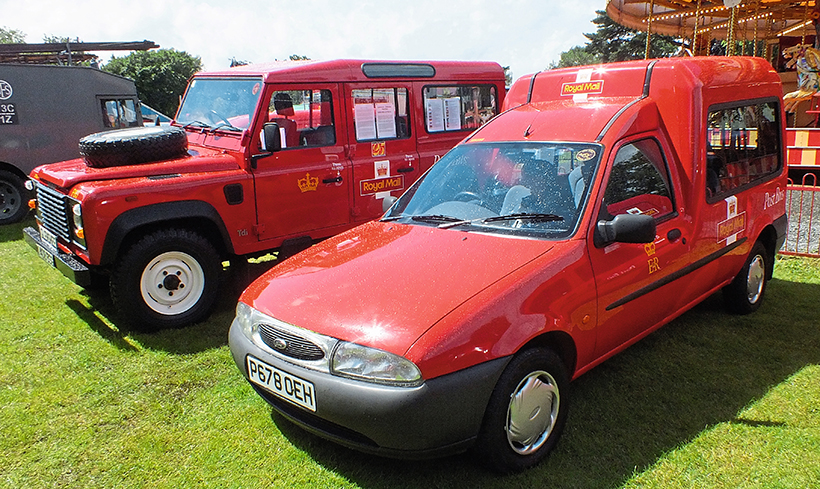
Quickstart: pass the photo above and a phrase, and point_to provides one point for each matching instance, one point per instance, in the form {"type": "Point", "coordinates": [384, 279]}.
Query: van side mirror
{"type": "Point", "coordinates": [271, 137]}
{"type": "Point", "coordinates": [387, 203]}
{"type": "Point", "coordinates": [625, 228]}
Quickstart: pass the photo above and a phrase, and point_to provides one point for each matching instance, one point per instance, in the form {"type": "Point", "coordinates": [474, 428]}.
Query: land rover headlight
{"type": "Point", "coordinates": [372, 365]}
{"type": "Point", "coordinates": [77, 216]}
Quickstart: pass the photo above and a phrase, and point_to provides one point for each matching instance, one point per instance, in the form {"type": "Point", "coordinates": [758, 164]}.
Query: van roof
{"type": "Point", "coordinates": [359, 70]}
{"type": "Point", "coordinates": [579, 103]}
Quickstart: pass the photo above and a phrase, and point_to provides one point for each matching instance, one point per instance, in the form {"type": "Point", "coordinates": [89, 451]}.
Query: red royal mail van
{"type": "Point", "coordinates": [603, 203]}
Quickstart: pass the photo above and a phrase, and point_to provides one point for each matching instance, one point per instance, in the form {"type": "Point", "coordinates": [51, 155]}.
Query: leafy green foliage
{"type": "Point", "coordinates": [11, 36]}
{"type": "Point", "coordinates": [160, 76]}
{"type": "Point", "coordinates": [614, 42]}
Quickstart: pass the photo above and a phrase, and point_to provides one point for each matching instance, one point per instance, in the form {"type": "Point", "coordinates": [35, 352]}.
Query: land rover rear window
{"type": "Point", "coordinates": [743, 146]}
{"type": "Point", "coordinates": [459, 108]}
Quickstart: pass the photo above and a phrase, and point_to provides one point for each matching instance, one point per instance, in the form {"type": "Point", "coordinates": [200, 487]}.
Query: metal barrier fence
{"type": "Point", "coordinates": [803, 209]}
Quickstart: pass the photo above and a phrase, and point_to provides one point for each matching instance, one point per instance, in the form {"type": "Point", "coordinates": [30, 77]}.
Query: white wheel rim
{"type": "Point", "coordinates": [755, 279]}
{"type": "Point", "coordinates": [532, 412]}
{"type": "Point", "coordinates": [172, 283]}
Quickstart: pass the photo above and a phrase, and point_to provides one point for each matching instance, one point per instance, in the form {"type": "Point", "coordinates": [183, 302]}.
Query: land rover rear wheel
{"type": "Point", "coordinates": [745, 294]}
{"type": "Point", "coordinates": [526, 413]}
{"type": "Point", "coordinates": [13, 198]}
{"type": "Point", "coordinates": [166, 279]}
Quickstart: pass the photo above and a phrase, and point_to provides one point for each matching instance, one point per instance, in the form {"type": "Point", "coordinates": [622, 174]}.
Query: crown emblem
{"type": "Point", "coordinates": [308, 183]}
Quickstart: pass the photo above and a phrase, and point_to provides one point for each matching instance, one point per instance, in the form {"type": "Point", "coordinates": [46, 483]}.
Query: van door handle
{"type": "Point", "coordinates": [406, 169]}
{"type": "Point", "coordinates": [332, 180]}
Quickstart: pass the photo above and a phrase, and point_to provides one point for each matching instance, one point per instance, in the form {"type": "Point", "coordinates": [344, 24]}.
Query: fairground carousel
{"type": "Point", "coordinates": [785, 32]}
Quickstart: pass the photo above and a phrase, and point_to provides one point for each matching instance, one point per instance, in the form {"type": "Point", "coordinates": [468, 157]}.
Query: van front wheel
{"type": "Point", "coordinates": [167, 279]}
{"type": "Point", "coordinates": [745, 294]}
{"type": "Point", "coordinates": [526, 412]}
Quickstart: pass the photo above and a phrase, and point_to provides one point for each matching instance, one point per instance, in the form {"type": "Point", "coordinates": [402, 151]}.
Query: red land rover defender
{"type": "Point", "coordinates": [259, 157]}
{"type": "Point", "coordinates": [605, 202]}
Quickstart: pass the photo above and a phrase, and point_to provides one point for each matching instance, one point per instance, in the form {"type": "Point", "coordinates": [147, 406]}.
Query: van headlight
{"type": "Point", "coordinates": [373, 365]}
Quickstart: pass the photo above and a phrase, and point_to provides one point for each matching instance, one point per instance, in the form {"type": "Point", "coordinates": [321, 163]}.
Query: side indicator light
{"type": "Point", "coordinates": [32, 204]}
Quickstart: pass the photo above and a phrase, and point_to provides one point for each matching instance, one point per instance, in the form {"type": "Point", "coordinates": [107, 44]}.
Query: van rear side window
{"type": "Point", "coordinates": [459, 108]}
{"type": "Point", "coordinates": [743, 147]}
{"type": "Point", "coordinates": [118, 113]}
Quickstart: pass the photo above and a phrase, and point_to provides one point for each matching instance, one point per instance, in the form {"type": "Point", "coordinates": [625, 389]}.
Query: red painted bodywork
{"type": "Point", "coordinates": [447, 299]}
{"type": "Point", "coordinates": [274, 209]}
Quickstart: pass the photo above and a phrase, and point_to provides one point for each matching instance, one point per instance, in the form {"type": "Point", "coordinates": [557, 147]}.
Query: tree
{"type": "Point", "coordinates": [11, 36]}
{"type": "Point", "coordinates": [576, 56]}
{"type": "Point", "coordinates": [160, 76]}
{"type": "Point", "coordinates": [614, 42]}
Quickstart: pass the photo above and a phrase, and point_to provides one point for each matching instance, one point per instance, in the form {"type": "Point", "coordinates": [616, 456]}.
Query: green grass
{"type": "Point", "coordinates": [710, 400]}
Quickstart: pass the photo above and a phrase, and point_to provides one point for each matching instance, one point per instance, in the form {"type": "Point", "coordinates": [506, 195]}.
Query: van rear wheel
{"type": "Point", "coordinates": [745, 294]}
{"type": "Point", "coordinates": [167, 279]}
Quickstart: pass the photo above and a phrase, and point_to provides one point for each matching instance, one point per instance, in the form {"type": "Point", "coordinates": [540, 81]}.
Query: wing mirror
{"type": "Point", "coordinates": [625, 228]}
{"type": "Point", "coordinates": [271, 137]}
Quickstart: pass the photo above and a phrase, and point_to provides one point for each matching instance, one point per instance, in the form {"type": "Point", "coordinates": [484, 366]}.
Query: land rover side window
{"type": "Point", "coordinates": [743, 147]}
{"type": "Point", "coordinates": [638, 182]}
{"type": "Point", "coordinates": [305, 117]}
{"type": "Point", "coordinates": [118, 113]}
{"type": "Point", "coordinates": [458, 108]}
{"type": "Point", "coordinates": [381, 113]}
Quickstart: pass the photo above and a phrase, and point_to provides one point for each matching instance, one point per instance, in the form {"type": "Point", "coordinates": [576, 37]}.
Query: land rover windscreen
{"type": "Point", "coordinates": [521, 189]}
{"type": "Point", "coordinates": [220, 103]}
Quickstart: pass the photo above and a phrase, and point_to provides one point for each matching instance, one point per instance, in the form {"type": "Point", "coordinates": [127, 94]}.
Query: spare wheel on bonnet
{"type": "Point", "coordinates": [133, 146]}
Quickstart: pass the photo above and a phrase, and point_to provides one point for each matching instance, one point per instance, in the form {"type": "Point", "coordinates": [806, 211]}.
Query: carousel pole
{"type": "Point", "coordinates": [730, 41]}
{"type": "Point", "coordinates": [649, 28]}
{"type": "Point", "coordinates": [695, 31]}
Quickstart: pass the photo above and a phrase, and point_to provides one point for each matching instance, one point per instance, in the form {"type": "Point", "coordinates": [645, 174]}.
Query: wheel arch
{"type": "Point", "coordinates": [196, 215]}
{"type": "Point", "coordinates": [561, 343]}
{"type": "Point", "coordinates": [769, 239]}
{"type": "Point", "coordinates": [13, 169]}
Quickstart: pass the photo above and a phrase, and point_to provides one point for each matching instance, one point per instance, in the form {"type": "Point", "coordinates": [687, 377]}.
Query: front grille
{"type": "Point", "coordinates": [290, 344]}
{"type": "Point", "coordinates": [53, 211]}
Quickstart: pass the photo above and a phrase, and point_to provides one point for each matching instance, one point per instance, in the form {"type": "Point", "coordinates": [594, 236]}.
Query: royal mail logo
{"type": "Point", "coordinates": [577, 88]}
{"type": "Point", "coordinates": [731, 226]}
{"type": "Point", "coordinates": [369, 187]}
{"type": "Point", "coordinates": [308, 183]}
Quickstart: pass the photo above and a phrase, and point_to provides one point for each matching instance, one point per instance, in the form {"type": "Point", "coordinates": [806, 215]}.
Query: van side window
{"type": "Point", "coordinates": [381, 113]}
{"type": "Point", "coordinates": [305, 117]}
{"type": "Point", "coordinates": [459, 108]}
{"type": "Point", "coordinates": [638, 182]}
{"type": "Point", "coordinates": [118, 113]}
{"type": "Point", "coordinates": [743, 146]}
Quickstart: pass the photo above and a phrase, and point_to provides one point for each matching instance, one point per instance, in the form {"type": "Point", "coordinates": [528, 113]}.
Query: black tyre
{"type": "Point", "coordinates": [13, 198]}
{"type": "Point", "coordinates": [745, 294]}
{"type": "Point", "coordinates": [526, 413]}
{"type": "Point", "coordinates": [133, 146]}
{"type": "Point", "coordinates": [167, 279]}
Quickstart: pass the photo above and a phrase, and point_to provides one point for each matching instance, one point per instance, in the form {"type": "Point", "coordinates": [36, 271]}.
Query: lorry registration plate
{"type": "Point", "coordinates": [289, 387]}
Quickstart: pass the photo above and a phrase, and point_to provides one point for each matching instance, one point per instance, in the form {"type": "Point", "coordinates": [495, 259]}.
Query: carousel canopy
{"type": "Point", "coordinates": [718, 19]}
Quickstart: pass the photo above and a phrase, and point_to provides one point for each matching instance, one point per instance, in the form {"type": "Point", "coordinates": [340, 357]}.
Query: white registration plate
{"type": "Point", "coordinates": [45, 255]}
{"type": "Point", "coordinates": [287, 386]}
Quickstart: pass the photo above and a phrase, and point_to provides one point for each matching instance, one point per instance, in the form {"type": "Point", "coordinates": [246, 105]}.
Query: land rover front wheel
{"type": "Point", "coordinates": [745, 294]}
{"type": "Point", "coordinates": [526, 412]}
{"type": "Point", "coordinates": [166, 279]}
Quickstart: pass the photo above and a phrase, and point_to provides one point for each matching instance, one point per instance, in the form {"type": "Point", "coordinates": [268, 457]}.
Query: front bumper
{"type": "Point", "coordinates": [439, 417]}
{"type": "Point", "coordinates": [66, 263]}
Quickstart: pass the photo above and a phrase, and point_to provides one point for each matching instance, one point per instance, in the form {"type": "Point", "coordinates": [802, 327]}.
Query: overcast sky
{"type": "Point", "coordinates": [526, 35]}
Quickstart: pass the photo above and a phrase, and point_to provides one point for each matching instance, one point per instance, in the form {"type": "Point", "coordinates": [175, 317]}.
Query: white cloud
{"type": "Point", "coordinates": [526, 35]}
